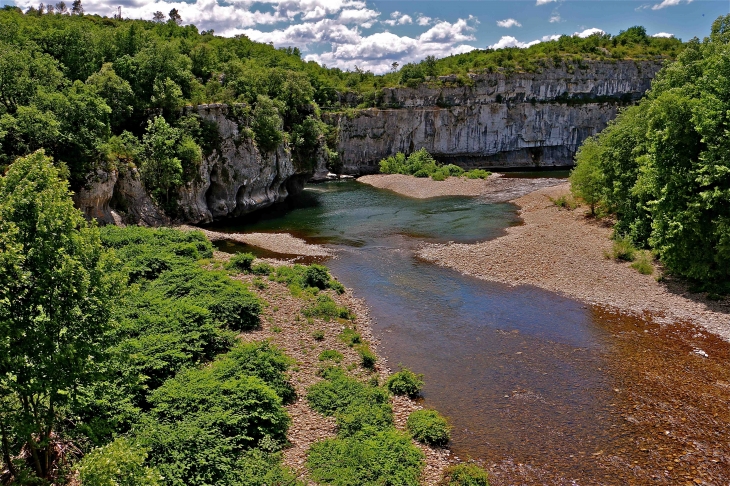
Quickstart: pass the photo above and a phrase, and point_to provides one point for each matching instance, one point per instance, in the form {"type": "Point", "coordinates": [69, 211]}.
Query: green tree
{"type": "Point", "coordinates": [161, 168]}
{"type": "Point", "coordinates": [54, 307]}
{"type": "Point", "coordinates": [267, 124]}
{"type": "Point", "coordinates": [586, 180]}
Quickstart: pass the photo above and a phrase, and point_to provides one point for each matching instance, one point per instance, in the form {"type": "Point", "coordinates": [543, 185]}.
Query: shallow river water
{"type": "Point", "coordinates": [535, 385]}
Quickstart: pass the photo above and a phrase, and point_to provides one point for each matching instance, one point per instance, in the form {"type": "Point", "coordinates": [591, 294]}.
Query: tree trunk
{"type": "Point", "coordinates": [7, 459]}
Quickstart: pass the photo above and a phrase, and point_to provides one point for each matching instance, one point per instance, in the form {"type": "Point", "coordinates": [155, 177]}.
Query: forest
{"type": "Point", "coordinates": [662, 166]}
{"type": "Point", "coordinates": [97, 92]}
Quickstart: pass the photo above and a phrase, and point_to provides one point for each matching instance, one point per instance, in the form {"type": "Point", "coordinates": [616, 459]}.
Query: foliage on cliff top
{"type": "Point", "coordinates": [663, 166]}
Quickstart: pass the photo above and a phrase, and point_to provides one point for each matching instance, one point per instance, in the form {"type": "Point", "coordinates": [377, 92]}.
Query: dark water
{"type": "Point", "coordinates": [522, 373]}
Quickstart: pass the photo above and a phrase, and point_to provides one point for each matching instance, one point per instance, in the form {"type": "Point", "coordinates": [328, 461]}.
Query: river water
{"type": "Point", "coordinates": [529, 379]}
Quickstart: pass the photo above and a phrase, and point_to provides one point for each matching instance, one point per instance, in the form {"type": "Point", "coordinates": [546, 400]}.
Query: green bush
{"type": "Point", "coordinates": [429, 427]}
{"type": "Point", "coordinates": [241, 262]}
{"type": "Point", "coordinates": [262, 268]}
{"type": "Point", "coordinates": [120, 463]}
{"type": "Point", "coordinates": [367, 357]}
{"type": "Point", "coordinates": [326, 308]}
{"type": "Point", "coordinates": [453, 170]}
{"type": "Point", "coordinates": [386, 457]}
{"type": "Point", "coordinates": [439, 175]}
{"type": "Point", "coordinates": [318, 335]}
{"type": "Point", "coordinates": [465, 475]}
{"type": "Point", "coordinates": [350, 337]}
{"type": "Point", "coordinates": [317, 276]}
{"type": "Point", "coordinates": [331, 355]}
{"type": "Point", "coordinates": [364, 418]}
{"type": "Point", "coordinates": [338, 391]}
{"type": "Point", "coordinates": [405, 382]}
{"type": "Point", "coordinates": [477, 174]}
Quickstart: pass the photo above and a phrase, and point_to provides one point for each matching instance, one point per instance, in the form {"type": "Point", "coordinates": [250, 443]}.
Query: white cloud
{"type": "Point", "coordinates": [555, 18]}
{"type": "Point", "coordinates": [548, 38]}
{"type": "Point", "coordinates": [378, 51]}
{"type": "Point", "coordinates": [362, 15]}
{"type": "Point", "coordinates": [397, 18]}
{"type": "Point", "coordinates": [665, 3]}
{"type": "Point", "coordinates": [423, 20]}
{"type": "Point", "coordinates": [509, 41]}
{"type": "Point", "coordinates": [507, 23]}
{"type": "Point", "coordinates": [588, 33]}
{"type": "Point", "coordinates": [544, 2]}
{"type": "Point", "coordinates": [663, 34]}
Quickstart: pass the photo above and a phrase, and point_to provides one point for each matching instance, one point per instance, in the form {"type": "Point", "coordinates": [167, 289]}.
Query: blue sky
{"type": "Point", "coordinates": [372, 34]}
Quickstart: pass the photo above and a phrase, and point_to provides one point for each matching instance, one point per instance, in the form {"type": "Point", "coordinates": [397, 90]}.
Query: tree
{"type": "Point", "coordinates": [61, 8]}
{"type": "Point", "coordinates": [175, 16]}
{"type": "Point", "coordinates": [161, 169]}
{"type": "Point", "coordinates": [394, 66]}
{"type": "Point", "coordinates": [586, 179]}
{"type": "Point", "coordinates": [158, 17]}
{"type": "Point", "coordinates": [54, 309]}
{"type": "Point", "coordinates": [77, 8]}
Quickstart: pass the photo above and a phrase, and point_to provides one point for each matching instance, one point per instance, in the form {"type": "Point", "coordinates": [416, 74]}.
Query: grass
{"type": "Point", "coordinates": [331, 355]}
{"type": "Point", "coordinates": [643, 263]}
{"type": "Point", "coordinates": [429, 427]}
{"type": "Point", "coordinates": [565, 202]}
{"type": "Point", "coordinates": [623, 249]}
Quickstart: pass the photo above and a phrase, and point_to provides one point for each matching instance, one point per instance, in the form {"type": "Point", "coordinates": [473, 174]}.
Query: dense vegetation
{"type": "Point", "coordinates": [124, 338]}
{"type": "Point", "coordinates": [421, 164]}
{"type": "Point", "coordinates": [662, 166]}
{"type": "Point", "coordinates": [96, 92]}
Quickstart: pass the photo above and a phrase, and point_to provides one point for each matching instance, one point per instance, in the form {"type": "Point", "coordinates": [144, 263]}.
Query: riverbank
{"type": "Point", "coordinates": [494, 188]}
{"type": "Point", "coordinates": [282, 243]}
{"type": "Point", "coordinates": [564, 251]}
{"type": "Point", "coordinates": [303, 339]}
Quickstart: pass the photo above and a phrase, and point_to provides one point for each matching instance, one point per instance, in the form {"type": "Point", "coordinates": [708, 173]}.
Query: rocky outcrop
{"type": "Point", "coordinates": [520, 120]}
{"type": "Point", "coordinates": [233, 180]}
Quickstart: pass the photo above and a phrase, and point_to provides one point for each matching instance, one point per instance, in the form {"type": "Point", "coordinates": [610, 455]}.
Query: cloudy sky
{"type": "Point", "coordinates": [372, 34]}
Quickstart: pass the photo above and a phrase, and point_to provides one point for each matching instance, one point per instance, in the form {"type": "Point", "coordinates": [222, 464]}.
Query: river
{"type": "Point", "coordinates": [530, 380]}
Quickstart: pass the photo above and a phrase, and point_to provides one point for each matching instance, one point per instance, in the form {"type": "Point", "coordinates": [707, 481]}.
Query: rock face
{"type": "Point", "coordinates": [233, 180]}
{"type": "Point", "coordinates": [519, 121]}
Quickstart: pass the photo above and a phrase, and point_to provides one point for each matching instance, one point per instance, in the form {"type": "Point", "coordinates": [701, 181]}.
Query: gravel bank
{"type": "Point", "coordinates": [282, 243]}
{"type": "Point", "coordinates": [493, 189]}
{"type": "Point", "coordinates": [564, 251]}
{"type": "Point", "coordinates": [282, 323]}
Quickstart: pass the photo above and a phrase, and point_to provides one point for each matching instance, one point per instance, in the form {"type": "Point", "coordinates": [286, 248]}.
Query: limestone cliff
{"type": "Point", "coordinates": [233, 180]}
{"type": "Point", "coordinates": [518, 120]}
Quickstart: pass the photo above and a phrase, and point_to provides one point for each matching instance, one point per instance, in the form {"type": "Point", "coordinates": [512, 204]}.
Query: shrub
{"type": "Point", "coordinates": [350, 337]}
{"type": "Point", "coordinates": [260, 359]}
{"type": "Point", "coordinates": [453, 170]}
{"type": "Point", "coordinates": [477, 174]}
{"type": "Point", "coordinates": [643, 263]}
{"type": "Point", "coordinates": [367, 357]}
{"type": "Point", "coordinates": [565, 202]}
{"type": "Point", "coordinates": [405, 382]}
{"type": "Point", "coordinates": [241, 262]}
{"type": "Point", "coordinates": [464, 475]}
{"type": "Point", "coordinates": [623, 249]}
{"type": "Point", "coordinates": [338, 391]}
{"type": "Point", "coordinates": [439, 175]}
{"type": "Point", "coordinates": [262, 268]}
{"type": "Point", "coordinates": [429, 427]}
{"type": "Point", "coordinates": [387, 457]}
{"type": "Point", "coordinates": [318, 335]}
{"type": "Point", "coordinates": [337, 286]}
{"type": "Point", "coordinates": [364, 418]}
{"type": "Point", "coordinates": [326, 308]}
{"type": "Point", "coordinates": [120, 463]}
{"type": "Point", "coordinates": [331, 355]}
{"type": "Point", "coordinates": [256, 468]}
{"type": "Point", "coordinates": [317, 276]}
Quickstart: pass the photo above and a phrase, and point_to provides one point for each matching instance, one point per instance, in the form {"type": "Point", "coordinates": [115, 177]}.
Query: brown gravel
{"type": "Point", "coordinates": [493, 189]}
{"type": "Point", "coordinates": [564, 251]}
{"type": "Point", "coordinates": [283, 323]}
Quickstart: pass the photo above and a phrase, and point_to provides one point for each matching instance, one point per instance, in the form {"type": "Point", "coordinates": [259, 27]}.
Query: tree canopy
{"type": "Point", "coordinates": [663, 166]}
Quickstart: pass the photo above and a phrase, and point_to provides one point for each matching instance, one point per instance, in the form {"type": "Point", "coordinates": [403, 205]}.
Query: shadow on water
{"type": "Point", "coordinates": [535, 384]}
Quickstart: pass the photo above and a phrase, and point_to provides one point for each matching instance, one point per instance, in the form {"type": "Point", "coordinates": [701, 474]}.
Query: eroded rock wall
{"type": "Point", "coordinates": [233, 180]}
{"type": "Point", "coordinates": [517, 121]}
